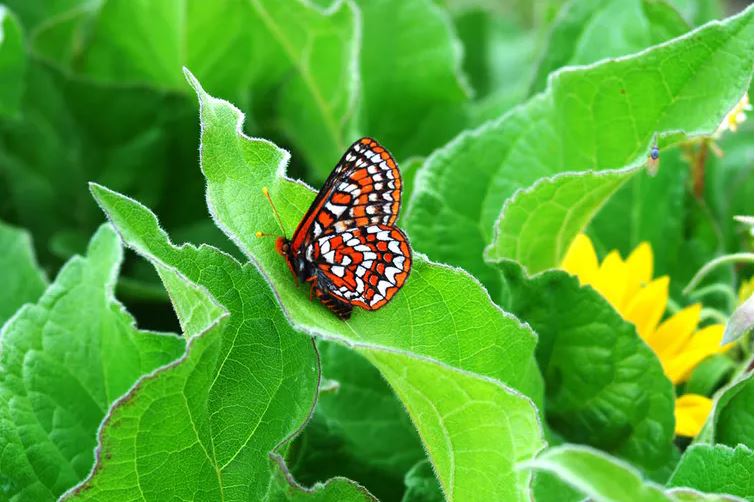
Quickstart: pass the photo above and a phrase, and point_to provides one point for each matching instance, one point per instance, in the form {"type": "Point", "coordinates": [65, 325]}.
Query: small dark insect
{"type": "Point", "coordinates": [346, 246]}
{"type": "Point", "coordinates": [653, 158]}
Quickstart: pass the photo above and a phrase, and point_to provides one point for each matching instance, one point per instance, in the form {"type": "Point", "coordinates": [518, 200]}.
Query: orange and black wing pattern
{"type": "Point", "coordinates": [358, 257]}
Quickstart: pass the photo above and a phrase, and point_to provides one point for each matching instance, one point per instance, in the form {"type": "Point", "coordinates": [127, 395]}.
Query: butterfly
{"type": "Point", "coordinates": [346, 246]}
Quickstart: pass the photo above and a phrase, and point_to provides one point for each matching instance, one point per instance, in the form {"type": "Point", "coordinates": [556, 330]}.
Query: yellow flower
{"type": "Point", "coordinates": [735, 116]}
{"type": "Point", "coordinates": [629, 287]}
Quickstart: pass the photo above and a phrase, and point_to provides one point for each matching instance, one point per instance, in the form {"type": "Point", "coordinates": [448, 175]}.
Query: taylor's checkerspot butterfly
{"type": "Point", "coordinates": [346, 246]}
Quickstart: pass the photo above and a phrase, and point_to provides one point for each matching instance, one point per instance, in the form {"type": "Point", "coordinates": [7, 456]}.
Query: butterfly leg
{"type": "Point", "coordinates": [312, 283]}
{"type": "Point", "coordinates": [335, 305]}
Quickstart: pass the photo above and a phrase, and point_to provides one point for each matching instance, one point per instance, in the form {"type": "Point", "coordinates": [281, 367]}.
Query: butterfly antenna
{"type": "Point", "coordinates": [275, 212]}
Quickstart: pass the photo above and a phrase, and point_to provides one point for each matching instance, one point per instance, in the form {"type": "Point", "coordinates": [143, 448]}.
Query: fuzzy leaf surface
{"type": "Point", "coordinates": [65, 359]}
{"type": "Point", "coordinates": [441, 326]}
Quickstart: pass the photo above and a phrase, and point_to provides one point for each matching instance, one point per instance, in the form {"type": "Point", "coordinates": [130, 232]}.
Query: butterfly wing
{"type": "Point", "coordinates": [363, 266]}
{"type": "Point", "coordinates": [363, 189]}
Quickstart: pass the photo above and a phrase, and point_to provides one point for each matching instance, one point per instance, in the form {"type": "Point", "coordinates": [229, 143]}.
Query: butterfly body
{"type": "Point", "coordinates": [346, 247]}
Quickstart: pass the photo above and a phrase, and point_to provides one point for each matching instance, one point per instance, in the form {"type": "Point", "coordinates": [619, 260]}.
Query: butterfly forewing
{"type": "Point", "coordinates": [363, 189]}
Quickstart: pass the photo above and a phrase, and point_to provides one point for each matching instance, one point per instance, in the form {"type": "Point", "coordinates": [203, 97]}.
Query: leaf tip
{"type": "Point", "coordinates": [193, 82]}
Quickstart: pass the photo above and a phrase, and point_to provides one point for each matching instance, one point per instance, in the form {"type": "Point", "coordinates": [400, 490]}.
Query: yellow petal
{"type": "Point", "coordinates": [581, 260]}
{"type": "Point", "coordinates": [646, 308]}
{"type": "Point", "coordinates": [611, 280]}
{"type": "Point", "coordinates": [640, 264]}
{"type": "Point", "coordinates": [691, 411]}
{"type": "Point", "coordinates": [674, 332]}
{"type": "Point", "coordinates": [702, 344]}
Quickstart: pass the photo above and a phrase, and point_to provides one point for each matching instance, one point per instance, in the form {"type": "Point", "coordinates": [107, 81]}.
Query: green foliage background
{"type": "Point", "coordinates": [491, 376]}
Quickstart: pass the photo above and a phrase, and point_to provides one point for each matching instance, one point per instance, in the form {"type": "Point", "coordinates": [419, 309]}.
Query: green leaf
{"type": "Point", "coordinates": [605, 479]}
{"type": "Point", "coordinates": [709, 375]}
{"type": "Point", "coordinates": [246, 384]}
{"type": "Point", "coordinates": [481, 346]}
{"type": "Point", "coordinates": [587, 31]}
{"type": "Point", "coordinates": [359, 430]}
{"type": "Point", "coordinates": [647, 209]}
{"type": "Point", "coordinates": [440, 412]}
{"type": "Point", "coordinates": [23, 280]}
{"type": "Point", "coordinates": [317, 103]}
{"type": "Point", "coordinates": [716, 469]}
{"type": "Point", "coordinates": [410, 62]}
{"type": "Point", "coordinates": [604, 387]}
{"type": "Point", "coordinates": [421, 485]}
{"type": "Point", "coordinates": [12, 64]}
{"type": "Point", "coordinates": [64, 361]}
{"type": "Point", "coordinates": [66, 138]}
{"type": "Point", "coordinates": [537, 225]}
{"type": "Point", "coordinates": [597, 475]}
{"type": "Point", "coordinates": [299, 56]}
{"type": "Point", "coordinates": [599, 117]}
{"type": "Point", "coordinates": [733, 417]}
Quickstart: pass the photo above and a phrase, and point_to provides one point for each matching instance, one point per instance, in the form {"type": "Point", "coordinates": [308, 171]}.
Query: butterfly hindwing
{"type": "Point", "coordinates": [364, 266]}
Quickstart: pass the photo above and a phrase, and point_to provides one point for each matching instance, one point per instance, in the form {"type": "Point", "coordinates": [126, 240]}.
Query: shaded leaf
{"type": "Point", "coordinates": [421, 485]}
{"type": "Point", "coordinates": [709, 375]}
{"type": "Point", "coordinates": [594, 118]}
{"type": "Point", "coordinates": [587, 31]}
{"type": "Point", "coordinates": [733, 416]}
{"type": "Point", "coordinates": [604, 387]}
{"type": "Point", "coordinates": [23, 280]}
{"type": "Point", "coordinates": [359, 430]}
{"type": "Point", "coordinates": [410, 62]}
{"type": "Point", "coordinates": [12, 64]}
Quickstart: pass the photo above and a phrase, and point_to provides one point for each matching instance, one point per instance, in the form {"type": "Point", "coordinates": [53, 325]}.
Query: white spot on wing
{"type": "Point", "coordinates": [337, 270]}
{"type": "Point", "coordinates": [325, 246]}
{"type": "Point", "coordinates": [395, 247]}
{"type": "Point", "coordinates": [390, 274]}
{"type": "Point", "coordinates": [335, 209]}
{"type": "Point", "coordinates": [383, 286]}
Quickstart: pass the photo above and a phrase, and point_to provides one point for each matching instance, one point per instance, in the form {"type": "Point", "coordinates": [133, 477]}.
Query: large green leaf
{"type": "Point", "coordinates": [587, 31]}
{"type": "Point", "coordinates": [318, 103]}
{"type": "Point", "coordinates": [716, 469]}
{"type": "Point", "coordinates": [12, 63]}
{"type": "Point", "coordinates": [605, 479]}
{"type": "Point", "coordinates": [216, 417]}
{"type": "Point", "coordinates": [64, 361]}
{"type": "Point", "coordinates": [410, 64]}
{"type": "Point", "coordinates": [441, 327]}
{"type": "Point", "coordinates": [301, 57]}
{"type": "Point", "coordinates": [444, 402]}
{"type": "Point", "coordinates": [733, 416]}
{"type": "Point", "coordinates": [359, 430]}
{"type": "Point", "coordinates": [599, 117]}
{"type": "Point", "coordinates": [603, 386]}
{"type": "Point", "coordinates": [23, 281]}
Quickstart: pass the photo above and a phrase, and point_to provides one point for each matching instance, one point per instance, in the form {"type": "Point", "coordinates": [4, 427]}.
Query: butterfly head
{"type": "Point", "coordinates": [282, 246]}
